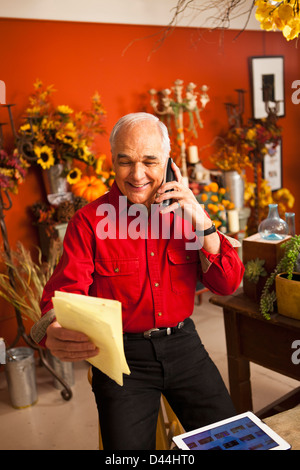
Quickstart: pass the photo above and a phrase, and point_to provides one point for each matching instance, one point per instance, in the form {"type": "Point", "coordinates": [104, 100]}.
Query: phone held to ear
{"type": "Point", "coordinates": [170, 176]}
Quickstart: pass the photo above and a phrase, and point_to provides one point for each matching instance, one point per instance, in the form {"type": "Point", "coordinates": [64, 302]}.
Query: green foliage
{"type": "Point", "coordinates": [287, 264]}
{"type": "Point", "coordinates": [254, 269]}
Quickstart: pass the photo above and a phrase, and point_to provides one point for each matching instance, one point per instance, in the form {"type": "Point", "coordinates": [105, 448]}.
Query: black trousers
{"type": "Point", "coordinates": [177, 366]}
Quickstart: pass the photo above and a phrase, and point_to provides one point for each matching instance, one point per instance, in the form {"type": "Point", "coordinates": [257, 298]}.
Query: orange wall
{"type": "Point", "coordinates": [79, 58]}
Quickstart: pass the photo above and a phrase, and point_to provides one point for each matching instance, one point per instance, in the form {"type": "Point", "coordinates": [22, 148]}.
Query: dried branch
{"type": "Point", "coordinates": [222, 13]}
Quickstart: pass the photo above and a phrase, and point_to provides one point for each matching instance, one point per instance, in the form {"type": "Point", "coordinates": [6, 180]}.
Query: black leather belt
{"type": "Point", "coordinates": [156, 332]}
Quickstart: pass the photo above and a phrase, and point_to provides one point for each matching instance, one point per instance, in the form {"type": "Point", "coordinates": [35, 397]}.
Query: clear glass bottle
{"type": "Point", "coordinates": [273, 227]}
{"type": "Point", "coordinates": [290, 220]}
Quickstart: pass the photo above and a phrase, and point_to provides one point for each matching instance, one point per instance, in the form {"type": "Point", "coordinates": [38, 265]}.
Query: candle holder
{"type": "Point", "coordinates": [171, 105]}
{"type": "Point", "coordinates": [235, 111]}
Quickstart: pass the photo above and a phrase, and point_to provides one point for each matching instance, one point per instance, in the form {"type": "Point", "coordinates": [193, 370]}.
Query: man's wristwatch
{"type": "Point", "coordinates": [208, 231]}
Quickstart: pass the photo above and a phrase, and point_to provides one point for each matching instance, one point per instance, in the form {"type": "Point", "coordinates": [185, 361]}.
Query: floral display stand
{"type": "Point", "coordinates": [21, 332]}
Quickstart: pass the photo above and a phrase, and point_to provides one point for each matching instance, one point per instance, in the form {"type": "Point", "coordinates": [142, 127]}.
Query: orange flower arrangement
{"type": "Point", "coordinates": [237, 149]}
{"type": "Point", "coordinates": [216, 202]}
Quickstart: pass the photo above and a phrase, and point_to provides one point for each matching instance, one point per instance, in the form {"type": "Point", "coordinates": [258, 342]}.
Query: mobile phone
{"type": "Point", "coordinates": [170, 176]}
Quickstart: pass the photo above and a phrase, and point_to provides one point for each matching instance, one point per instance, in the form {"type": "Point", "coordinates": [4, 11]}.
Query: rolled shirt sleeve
{"type": "Point", "coordinates": [222, 273]}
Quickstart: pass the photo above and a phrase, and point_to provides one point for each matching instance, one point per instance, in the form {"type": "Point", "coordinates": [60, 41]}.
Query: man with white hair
{"type": "Point", "coordinates": [154, 277]}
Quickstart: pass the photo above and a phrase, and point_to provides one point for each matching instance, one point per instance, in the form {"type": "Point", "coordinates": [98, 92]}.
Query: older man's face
{"type": "Point", "coordinates": [139, 162]}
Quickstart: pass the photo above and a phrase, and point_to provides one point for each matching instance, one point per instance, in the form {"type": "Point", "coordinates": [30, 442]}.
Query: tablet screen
{"type": "Point", "coordinates": [241, 434]}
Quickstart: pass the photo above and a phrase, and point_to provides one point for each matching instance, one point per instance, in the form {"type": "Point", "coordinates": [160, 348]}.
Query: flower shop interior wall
{"type": "Point", "coordinates": [121, 63]}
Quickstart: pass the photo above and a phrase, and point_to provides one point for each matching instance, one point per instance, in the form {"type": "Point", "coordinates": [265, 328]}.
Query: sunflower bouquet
{"type": "Point", "coordinates": [216, 202]}
{"type": "Point", "coordinates": [58, 134]}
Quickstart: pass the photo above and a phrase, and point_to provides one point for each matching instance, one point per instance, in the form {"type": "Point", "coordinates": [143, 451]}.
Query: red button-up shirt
{"type": "Point", "coordinates": [154, 276]}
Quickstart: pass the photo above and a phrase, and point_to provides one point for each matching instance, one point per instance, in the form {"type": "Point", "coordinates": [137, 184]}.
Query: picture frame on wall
{"type": "Point", "coordinates": [267, 83]}
{"type": "Point", "coordinates": [272, 166]}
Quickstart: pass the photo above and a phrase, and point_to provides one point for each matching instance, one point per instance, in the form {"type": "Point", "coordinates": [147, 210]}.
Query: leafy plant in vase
{"type": "Point", "coordinates": [289, 267]}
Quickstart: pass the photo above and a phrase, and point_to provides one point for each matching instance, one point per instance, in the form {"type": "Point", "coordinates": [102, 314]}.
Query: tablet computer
{"type": "Point", "coordinates": [241, 432]}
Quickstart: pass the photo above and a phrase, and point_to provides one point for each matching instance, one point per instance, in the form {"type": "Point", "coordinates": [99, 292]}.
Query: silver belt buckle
{"type": "Point", "coordinates": [147, 334]}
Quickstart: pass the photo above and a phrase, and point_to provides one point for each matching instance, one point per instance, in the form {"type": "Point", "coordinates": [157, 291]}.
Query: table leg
{"type": "Point", "coordinates": [238, 367]}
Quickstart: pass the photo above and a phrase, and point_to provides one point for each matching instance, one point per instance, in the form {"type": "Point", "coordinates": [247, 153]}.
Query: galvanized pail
{"type": "Point", "coordinates": [20, 376]}
{"type": "Point", "coordinates": [65, 370]}
{"type": "Point", "coordinates": [234, 183]}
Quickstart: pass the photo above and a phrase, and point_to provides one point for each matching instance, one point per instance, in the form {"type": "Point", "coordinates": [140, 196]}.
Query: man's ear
{"type": "Point", "coordinates": [113, 162]}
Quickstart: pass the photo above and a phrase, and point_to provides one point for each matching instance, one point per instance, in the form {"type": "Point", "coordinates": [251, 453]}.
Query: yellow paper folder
{"type": "Point", "coordinates": [101, 320]}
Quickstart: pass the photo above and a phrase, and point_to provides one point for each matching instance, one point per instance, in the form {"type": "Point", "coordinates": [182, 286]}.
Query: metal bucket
{"type": "Point", "coordinates": [65, 370]}
{"type": "Point", "coordinates": [53, 181]}
{"type": "Point", "coordinates": [234, 183]}
{"type": "Point", "coordinates": [20, 376]}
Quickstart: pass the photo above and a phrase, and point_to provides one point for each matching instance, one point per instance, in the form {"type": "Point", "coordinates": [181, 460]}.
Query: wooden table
{"type": "Point", "coordinates": [251, 338]}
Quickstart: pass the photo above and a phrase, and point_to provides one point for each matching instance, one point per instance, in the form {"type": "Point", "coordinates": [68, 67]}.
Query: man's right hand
{"type": "Point", "coordinates": [69, 345]}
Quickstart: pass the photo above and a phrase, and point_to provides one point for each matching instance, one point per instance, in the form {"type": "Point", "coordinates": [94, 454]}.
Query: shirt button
{"type": "Point", "coordinates": [152, 254]}
{"type": "Point", "coordinates": [159, 314]}
{"type": "Point", "coordinates": [116, 270]}
{"type": "Point", "coordinates": [156, 284]}
{"type": "Point", "coordinates": [187, 257]}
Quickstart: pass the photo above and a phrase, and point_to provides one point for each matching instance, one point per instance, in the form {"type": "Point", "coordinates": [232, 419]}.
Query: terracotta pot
{"type": "Point", "coordinates": [288, 295]}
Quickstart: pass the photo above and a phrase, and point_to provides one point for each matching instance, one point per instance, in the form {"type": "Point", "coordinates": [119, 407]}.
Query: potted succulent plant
{"type": "Point", "coordinates": [286, 277]}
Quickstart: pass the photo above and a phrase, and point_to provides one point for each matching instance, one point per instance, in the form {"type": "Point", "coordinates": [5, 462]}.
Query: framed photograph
{"type": "Point", "coordinates": [267, 82]}
{"type": "Point", "coordinates": [272, 167]}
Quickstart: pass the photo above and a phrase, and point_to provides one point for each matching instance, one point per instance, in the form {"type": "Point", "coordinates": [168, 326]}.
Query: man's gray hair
{"type": "Point", "coordinates": [129, 120]}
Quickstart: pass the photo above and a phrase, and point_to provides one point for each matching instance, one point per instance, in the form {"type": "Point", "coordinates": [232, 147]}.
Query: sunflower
{"type": "Point", "coordinates": [85, 155]}
{"type": "Point", "coordinates": [45, 156]}
{"type": "Point", "coordinates": [74, 175]}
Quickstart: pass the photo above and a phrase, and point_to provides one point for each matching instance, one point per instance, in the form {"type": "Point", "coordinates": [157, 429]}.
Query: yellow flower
{"type": "Point", "coordinates": [99, 163]}
{"type": "Point", "coordinates": [251, 134]}
{"type": "Point", "coordinates": [226, 203]}
{"type": "Point", "coordinates": [37, 84]}
{"type": "Point", "coordinates": [33, 110]}
{"type": "Point", "coordinates": [213, 208]}
{"type": "Point", "coordinates": [285, 12]}
{"type": "Point", "coordinates": [292, 30]}
{"type": "Point", "coordinates": [222, 191]}
{"type": "Point", "coordinates": [67, 134]}
{"type": "Point", "coordinates": [85, 154]}
{"type": "Point", "coordinates": [74, 175]}
{"type": "Point", "coordinates": [63, 109]}
{"type": "Point", "coordinates": [44, 156]}
{"type": "Point", "coordinates": [204, 197]}
{"type": "Point", "coordinates": [214, 198]}
{"type": "Point", "coordinates": [217, 223]}
{"type": "Point", "coordinates": [213, 187]}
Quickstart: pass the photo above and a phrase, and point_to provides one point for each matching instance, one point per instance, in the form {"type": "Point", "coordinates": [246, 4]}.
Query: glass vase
{"type": "Point", "coordinates": [290, 220]}
{"type": "Point", "coordinates": [273, 227]}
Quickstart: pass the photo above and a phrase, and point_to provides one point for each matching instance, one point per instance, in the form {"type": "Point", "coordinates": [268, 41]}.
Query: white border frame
{"type": "Point", "coordinates": [266, 65]}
